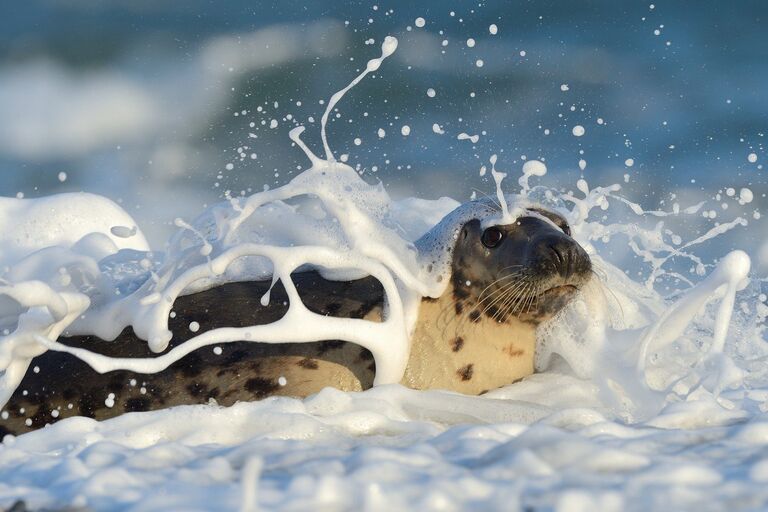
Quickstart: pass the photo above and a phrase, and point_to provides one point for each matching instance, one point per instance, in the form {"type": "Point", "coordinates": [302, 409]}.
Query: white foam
{"type": "Point", "coordinates": [27, 225]}
{"type": "Point", "coordinates": [531, 168]}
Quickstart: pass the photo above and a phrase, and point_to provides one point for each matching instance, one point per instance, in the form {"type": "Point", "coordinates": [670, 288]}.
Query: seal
{"type": "Point", "coordinates": [480, 334]}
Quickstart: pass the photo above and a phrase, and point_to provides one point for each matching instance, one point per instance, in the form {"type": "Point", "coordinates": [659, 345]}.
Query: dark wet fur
{"type": "Point", "coordinates": [244, 371]}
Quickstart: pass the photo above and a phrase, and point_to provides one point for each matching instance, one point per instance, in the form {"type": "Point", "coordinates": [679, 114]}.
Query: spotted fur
{"type": "Point", "coordinates": [466, 371]}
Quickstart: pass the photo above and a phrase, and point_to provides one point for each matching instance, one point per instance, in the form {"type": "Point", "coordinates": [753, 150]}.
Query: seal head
{"type": "Point", "coordinates": [480, 334]}
{"type": "Point", "coordinates": [529, 269]}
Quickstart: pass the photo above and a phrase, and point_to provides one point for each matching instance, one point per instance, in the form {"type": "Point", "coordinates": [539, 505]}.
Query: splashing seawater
{"type": "Point", "coordinates": [365, 247]}
{"type": "Point", "coordinates": [388, 47]}
{"type": "Point", "coordinates": [612, 337]}
{"type": "Point", "coordinates": [498, 177]}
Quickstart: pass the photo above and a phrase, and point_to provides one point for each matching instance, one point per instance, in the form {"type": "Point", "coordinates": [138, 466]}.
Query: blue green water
{"type": "Point", "coordinates": [139, 100]}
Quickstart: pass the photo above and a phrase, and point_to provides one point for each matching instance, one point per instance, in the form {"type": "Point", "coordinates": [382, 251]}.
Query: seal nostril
{"type": "Point", "coordinates": [565, 271]}
{"type": "Point", "coordinates": [559, 257]}
{"type": "Point", "coordinates": [565, 257]}
{"type": "Point", "coordinates": [572, 261]}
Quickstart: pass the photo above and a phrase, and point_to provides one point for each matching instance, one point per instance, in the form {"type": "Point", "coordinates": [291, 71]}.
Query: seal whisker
{"type": "Point", "coordinates": [527, 299]}
{"type": "Point", "coordinates": [495, 296]}
{"type": "Point", "coordinates": [509, 291]}
{"type": "Point", "coordinates": [509, 275]}
{"type": "Point", "coordinates": [487, 197]}
{"type": "Point", "coordinates": [483, 295]}
{"type": "Point", "coordinates": [513, 304]}
{"type": "Point", "coordinates": [499, 280]}
{"type": "Point", "coordinates": [539, 295]}
{"type": "Point", "coordinates": [508, 287]}
{"type": "Point", "coordinates": [535, 302]}
{"type": "Point", "coordinates": [501, 295]}
{"type": "Point", "coordinates": [599, 284]}
{"type": "Point", "coordinates": [598, 272]}
{"type": "Point", "coordinates": [508, 267]}
{"type": "Point", "coordinates": [531, 297]}
{"type": "Point", "coordinates": [445, 313]}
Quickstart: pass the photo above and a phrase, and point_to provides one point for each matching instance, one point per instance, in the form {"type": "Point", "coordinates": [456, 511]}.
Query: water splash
{"type": "Point", "coordinates": [618, 325]}
{"type": "Point", "coordinates": [531, 168]}
{"type": "Point", "coordinates": [388, 47]}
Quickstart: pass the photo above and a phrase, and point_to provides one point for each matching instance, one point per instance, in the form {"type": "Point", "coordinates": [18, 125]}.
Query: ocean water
{"type": "Point", "coordinates": [652, 388]}
{"type": "Point", "coordinates": [136, 100]}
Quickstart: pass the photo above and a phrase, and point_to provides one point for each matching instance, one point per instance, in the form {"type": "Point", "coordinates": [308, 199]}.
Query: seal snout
{"type": "Point", "coordinates": [562, 255]}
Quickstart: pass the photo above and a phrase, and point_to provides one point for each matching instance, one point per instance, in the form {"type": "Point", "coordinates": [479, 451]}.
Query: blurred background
{"type": "Point", "coordinates": [167, 106]}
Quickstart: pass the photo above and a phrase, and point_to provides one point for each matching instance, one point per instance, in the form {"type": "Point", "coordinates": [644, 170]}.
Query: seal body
{"type": "Point", "coordinates": [480, 334]}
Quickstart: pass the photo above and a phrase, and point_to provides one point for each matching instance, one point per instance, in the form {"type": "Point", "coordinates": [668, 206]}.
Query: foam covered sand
{"type": "Point", "coordinates": [644, 401]}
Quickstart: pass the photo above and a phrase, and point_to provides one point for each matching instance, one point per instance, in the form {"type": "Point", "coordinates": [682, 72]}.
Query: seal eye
{"type": "Point", "coordinates": [566, 228]}
{"type": "Point", "coordinates": [492, 237]}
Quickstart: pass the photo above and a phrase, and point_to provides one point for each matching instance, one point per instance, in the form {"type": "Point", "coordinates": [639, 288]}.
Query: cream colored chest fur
{"type": "Point", "coordinates": [450, 351]}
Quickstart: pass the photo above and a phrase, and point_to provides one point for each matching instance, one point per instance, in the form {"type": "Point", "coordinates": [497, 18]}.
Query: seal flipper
{"type": "Point", "coordinates": [59, 385]}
